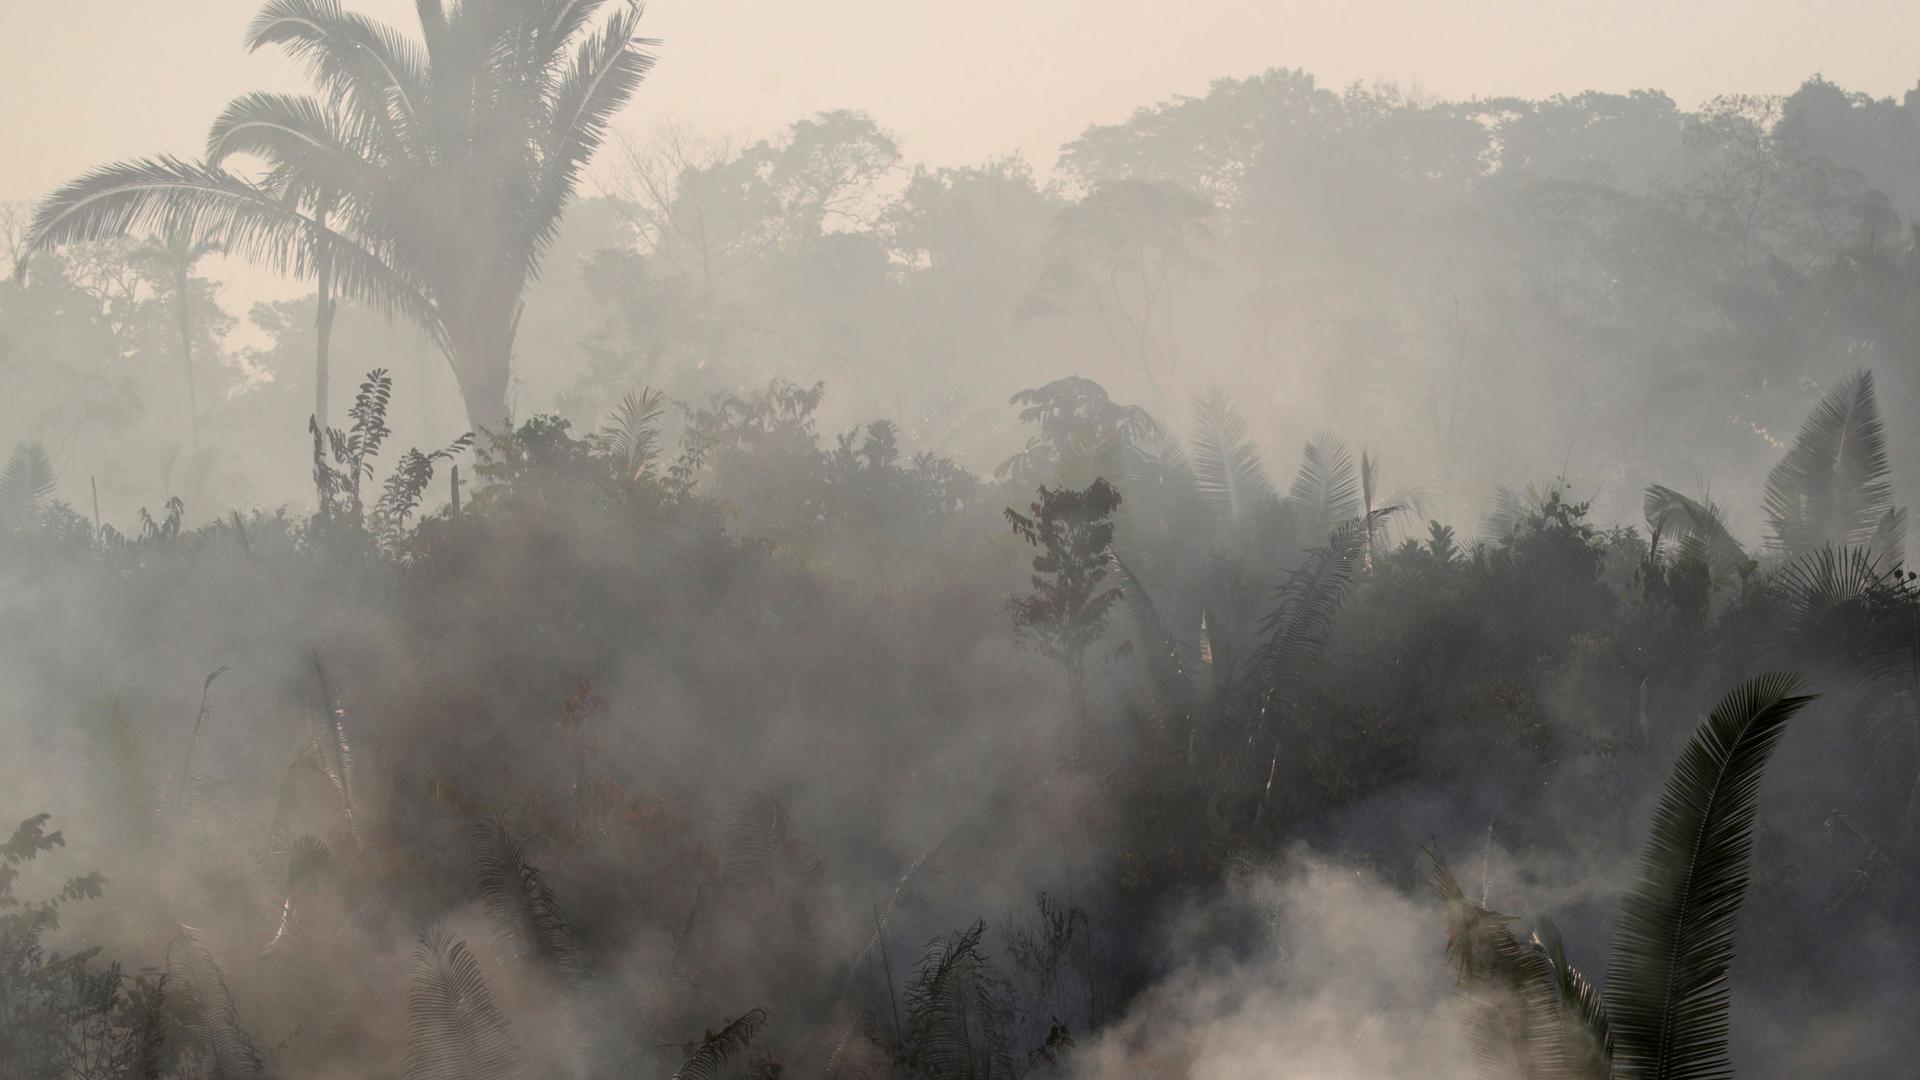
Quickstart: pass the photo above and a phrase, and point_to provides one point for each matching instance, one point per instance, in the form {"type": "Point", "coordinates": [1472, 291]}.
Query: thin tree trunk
{"type": "Point", "coordinates": [323, 330]}
{"type": "Point", "coordinates": [181, 278]}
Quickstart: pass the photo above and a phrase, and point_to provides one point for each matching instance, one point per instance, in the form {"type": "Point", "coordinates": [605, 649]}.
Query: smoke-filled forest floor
{"type": "Point", "coordinates": [1123, 764]}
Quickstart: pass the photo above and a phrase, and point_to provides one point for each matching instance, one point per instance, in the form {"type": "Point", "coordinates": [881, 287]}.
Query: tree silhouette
{"type": "Point", "coordinates": [425, 179]}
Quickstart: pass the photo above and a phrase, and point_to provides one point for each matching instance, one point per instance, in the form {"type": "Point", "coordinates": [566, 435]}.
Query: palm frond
{"type": "Point", "coordinates": [308, 859]}
{"type": "Point", "coordinates": [1293, 635]}
{"type": "Point", "coordinates": [197, 984]}
{"type": "Point", "coordinates": [1666, 991]}
{"type": "Point", "coordinates": [1505, 517]}
{"type": "Point", "coordinates": [605, 72]}
{"type": "Point", "coordinates": [1587, 1033]}
{"type": "Point", "coordinates": [706, 1058]}
{"type": "Point", "coordinates": [157, 196]}
{"type": "Point", "coordinates": [358, 62]}
{"type": "Point", "coordinates": [280, 826]}
{"type": "Point", "coordinates": [26, 484]}
{"type": "Point", "coordinates": [521, 903]}
{"type": "Point", "coordinates": [1698, 531]}
{"type": "Point", "coordinates": [1833, 485]}
{"type": "Point", "coordinates": [1165, 669]}
{"type": "Point", "coordinates": [1508, 995]}
{"type": "Point", "coordinates": [1846, 607]}
{"type": "Point", "coordinates": [955, 1012]}
{"type": "Point", "coordinates": [454, 1032]}
{"type": "Point", "coordinates": [1091, 454]}
{"type": "Point", "coordinates": [631, 435]}
{"type": "Point", "coordinates": [333, 753]}
{"type": "Point", "coordinates": [1226, 465]}
{"type": "Point", "coordinates": [1326, 489]}
{"type": "Point", "coordinates": [312, 157]}
{"type": "Point", "coordinates": [1158, 458]}
{"type": "Point", "coordinates": [764, 851]}
{"type": "Point", "coordinates": [559, 22]}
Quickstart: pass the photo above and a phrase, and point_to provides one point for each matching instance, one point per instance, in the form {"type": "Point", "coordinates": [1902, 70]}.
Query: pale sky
{"type": "Point", "coordinates": [87, 83]}
{"type": "Point", "coordinates": [961, 82]}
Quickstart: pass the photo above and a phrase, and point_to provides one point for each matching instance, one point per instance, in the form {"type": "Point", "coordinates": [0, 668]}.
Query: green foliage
{"type": "Point", "coordinates": [343, 461]}
{"type": "Point", "coordinates": [1079, 424]}
{"type": "Point", "coordinates": [1066, 613]}
{"type": "Point", "coordinates": [65, 1015]}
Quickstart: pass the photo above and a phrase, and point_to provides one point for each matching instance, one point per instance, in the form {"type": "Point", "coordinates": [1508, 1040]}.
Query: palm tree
{"type": "Point", "coordinates": [253, 125]}
{"type": "Point", "coordinates": [426, 179]}
{"type": "Point", "coordinates": [1228, 700]}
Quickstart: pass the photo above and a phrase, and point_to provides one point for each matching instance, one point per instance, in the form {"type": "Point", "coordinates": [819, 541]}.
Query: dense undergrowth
{"type": "Point", "coordinates": [729, 759]}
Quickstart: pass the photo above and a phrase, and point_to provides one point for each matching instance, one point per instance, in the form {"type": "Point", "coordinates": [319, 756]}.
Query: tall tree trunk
{"type": "Point", "coordinates": [482, 353]}
{"type": "Point", "coordinates": [323, 327]}
{"type": "Point", "coordinates": [483, 387]}
{"type": "Point", "coordinates": [182, 275]}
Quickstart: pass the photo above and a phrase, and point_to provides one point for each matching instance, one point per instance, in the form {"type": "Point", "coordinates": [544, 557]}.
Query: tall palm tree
{"type": "Point", "coordinates": [427, 179]}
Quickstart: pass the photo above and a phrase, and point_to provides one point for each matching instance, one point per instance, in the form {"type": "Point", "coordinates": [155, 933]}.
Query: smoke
{"type": "Point", "coordinates": [1311, 967]}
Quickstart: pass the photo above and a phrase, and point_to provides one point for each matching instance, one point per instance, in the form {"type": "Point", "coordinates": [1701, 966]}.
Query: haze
{"type": "Point", "coordinates": [893, 541]}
